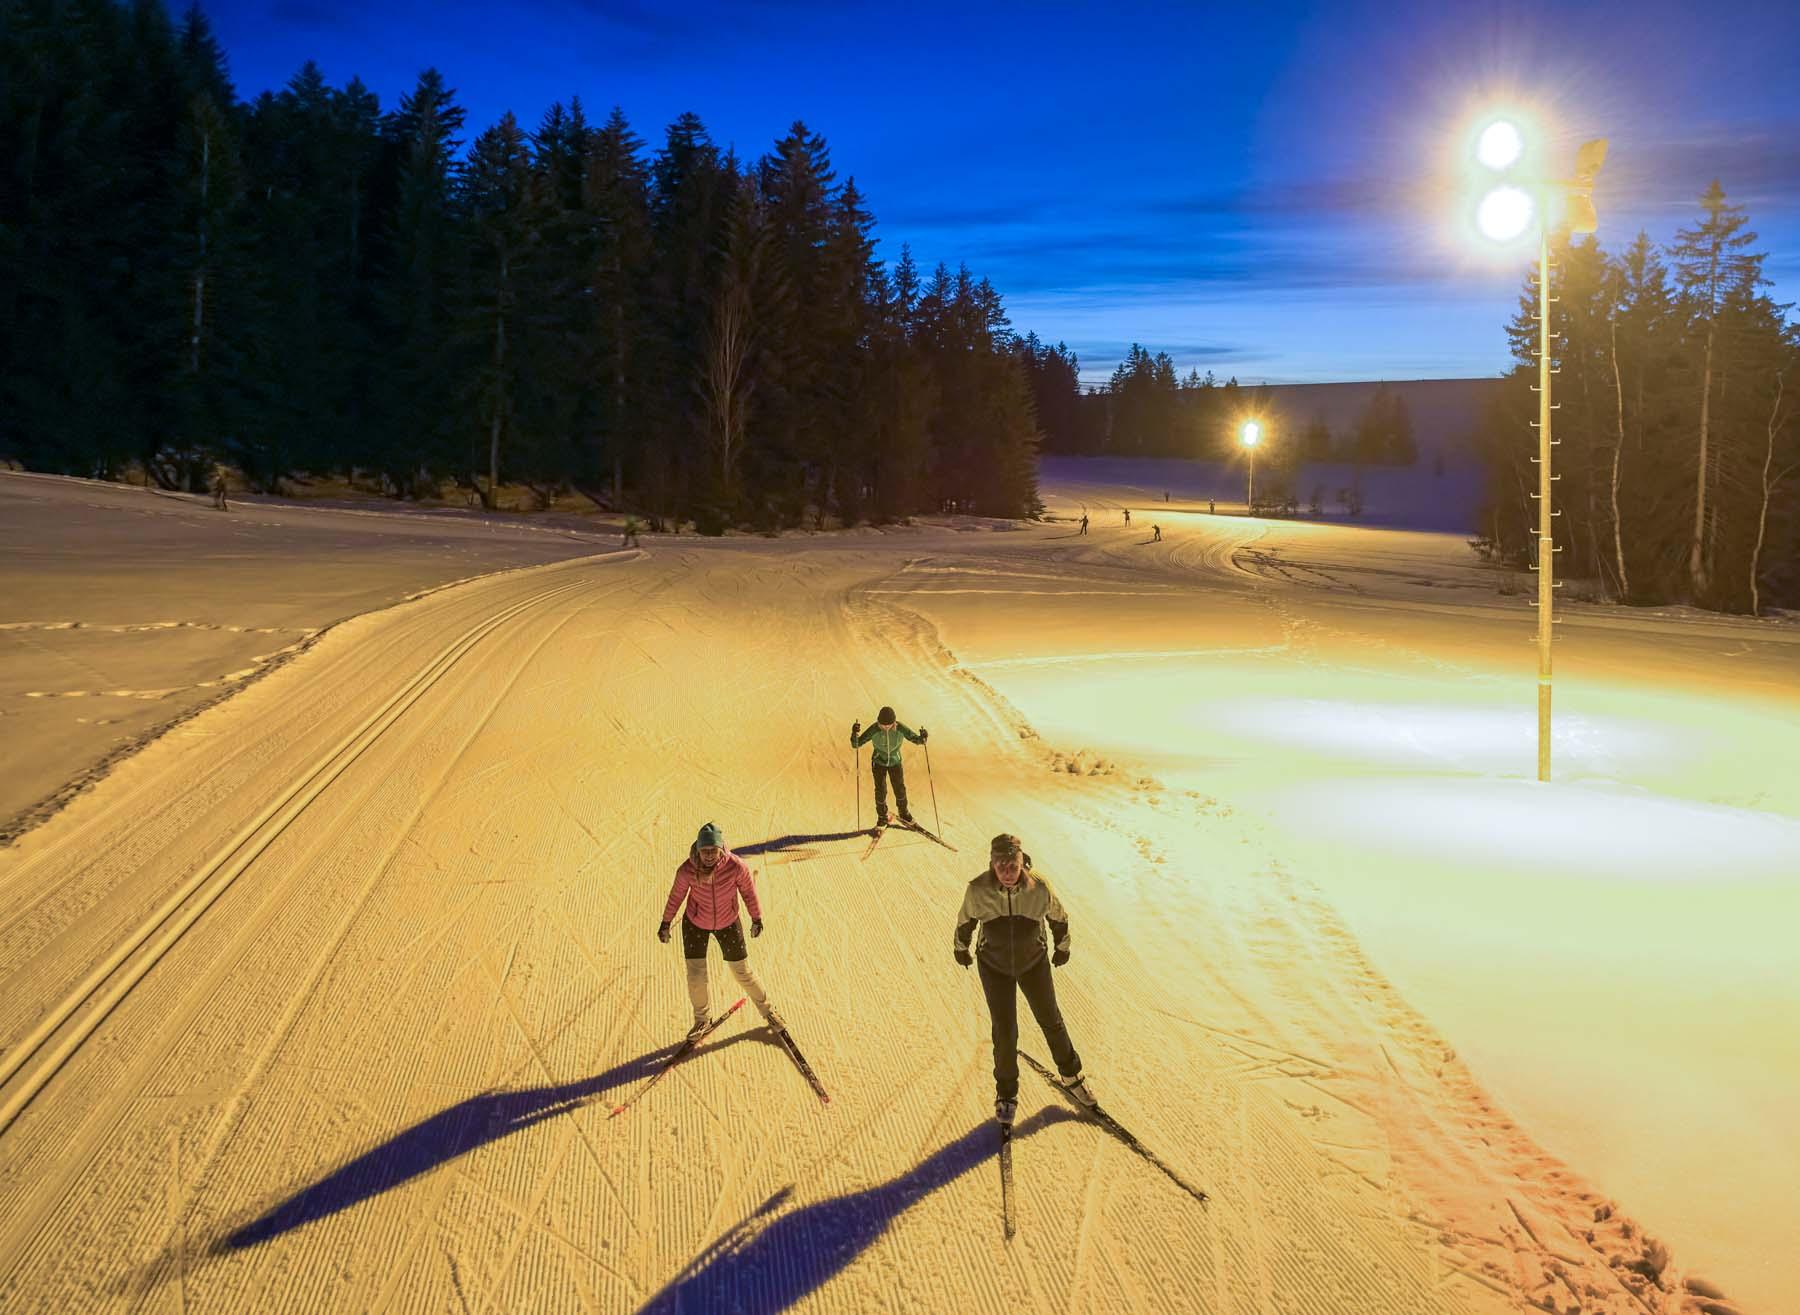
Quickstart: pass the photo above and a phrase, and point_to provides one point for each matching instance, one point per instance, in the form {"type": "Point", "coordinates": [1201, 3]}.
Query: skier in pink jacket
{"type": "Point", "coordinates": [710, 882]}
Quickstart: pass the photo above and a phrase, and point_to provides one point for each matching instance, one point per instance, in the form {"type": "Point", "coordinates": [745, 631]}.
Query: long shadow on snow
{"type": "Point", "coordinates": [760, 1270]}
{"type": "Point", "coordinates": [788, 842]}
{"type": "Point", "coordinates": [441, 1138]}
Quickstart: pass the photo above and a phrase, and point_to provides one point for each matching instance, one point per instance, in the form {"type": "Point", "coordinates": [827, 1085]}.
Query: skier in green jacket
{"type": "Point", "coordinates": [887, 734]}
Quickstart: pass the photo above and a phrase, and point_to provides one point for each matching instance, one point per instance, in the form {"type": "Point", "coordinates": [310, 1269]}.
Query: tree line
{"type": "Point", "coordinates": [1678, 458]}
{"type": "Point", "coordinates": [308, 284]}
{"type": "Point", "coordinates": [1147, 409]}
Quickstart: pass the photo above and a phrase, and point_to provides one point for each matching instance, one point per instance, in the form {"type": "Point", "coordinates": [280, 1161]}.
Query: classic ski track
{"type": "Point", "coordinates": [118, 973]}
{"type": "Point", "coordinates": [654, 1187]}
{"type": "Point", "coordinates": [12, 1243]}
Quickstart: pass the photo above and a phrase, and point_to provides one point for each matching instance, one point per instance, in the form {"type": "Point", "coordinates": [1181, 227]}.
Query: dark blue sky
{"type": "Point", "coordinates": [1260, 190]}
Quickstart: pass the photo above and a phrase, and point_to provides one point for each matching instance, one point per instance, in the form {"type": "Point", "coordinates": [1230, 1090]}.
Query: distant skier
{"type": "Point", "coordinates": [1010, 905]}
{"type": "Point", "coordinates": [218, 488]}
{"type": "Point", "coordinates": [710, 882]}
{"type": "Point", "coordinates": [884, 760]}
{"type": "Point", "coordinates": [630, 538]}
{"type": "Point", "coordinates": [1128, 516]}
{"type": "Point", "coordinates": [1156, 534]}
{"type": "Point", "coordinates": [1084, 522]}
{"type": "Point", "coordinates": [1211, 506]}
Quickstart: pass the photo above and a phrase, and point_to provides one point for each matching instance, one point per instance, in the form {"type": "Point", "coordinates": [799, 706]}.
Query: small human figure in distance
{"type": "Point", "coordinates": [1156, 534]}
{"type": "Point", "coordinates": [1211, 506]}
{"type": "Point", "coordinates": [886, 736]}
{"type": "Point", "coordinates": [218, 487]}
{"type": "Point", "coordinates": [1010, 905]}
{"type": "Point", "coordinates": [1128, 517]}
{"type": "Point", "coordinates": [630, 537]}
{"type": "Point", "coordinates": [710, 882]}
{"type": "Point", "coordinates": [1084, 522]}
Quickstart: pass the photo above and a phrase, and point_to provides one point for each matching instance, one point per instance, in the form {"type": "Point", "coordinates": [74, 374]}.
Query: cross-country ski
{"type": "Point", "coordinates": [786, 1039]}
{"type": "Point", "coordinates": [1113, 1126]}
{"type": "Point", "coordinates": [682, 1051]}
{"type": "Point", "coordinates": [1008, 1222]}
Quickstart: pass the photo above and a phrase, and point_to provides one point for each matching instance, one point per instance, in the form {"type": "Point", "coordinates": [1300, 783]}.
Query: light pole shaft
{"type": "Point", "coordinates": [1546, 548]}
{"type": "Point", "coordinates": [1250, 487]}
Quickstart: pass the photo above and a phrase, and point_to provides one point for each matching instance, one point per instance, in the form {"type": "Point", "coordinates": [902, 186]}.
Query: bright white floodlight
{"type": "Point", "coordinates": [1251, 433]}
{"type": "Point", "coordinates": [1504, 213]}
{"type": "Point", "coordinates": [1499, 146]}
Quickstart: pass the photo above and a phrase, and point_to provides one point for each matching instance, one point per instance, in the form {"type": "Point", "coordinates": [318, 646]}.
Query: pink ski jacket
{"type": "Point", "coordinates": [713, 903]}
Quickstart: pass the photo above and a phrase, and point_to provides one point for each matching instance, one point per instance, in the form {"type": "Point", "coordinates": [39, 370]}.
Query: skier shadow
{"type": "Point", "coordinates": [782, 843]}
{"type": "Point", "coordinates": [761, 1268]}
{"type": "Point", "coordinates": [443, 1137]}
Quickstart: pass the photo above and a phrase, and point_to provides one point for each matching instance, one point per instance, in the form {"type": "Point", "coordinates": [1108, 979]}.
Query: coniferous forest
{"type": "Point", "coordinates": [311, 284]}
{"type": "Point", "coordinates": [1677, 422]}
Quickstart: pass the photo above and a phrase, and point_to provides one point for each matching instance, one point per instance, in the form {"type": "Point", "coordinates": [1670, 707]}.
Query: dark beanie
{"type": "Point", "coordinates": [1004, 846]}
{"type": "Point", "coordinates": [885, 716]}
{"type": "Point", "coordinates": [710, 835]}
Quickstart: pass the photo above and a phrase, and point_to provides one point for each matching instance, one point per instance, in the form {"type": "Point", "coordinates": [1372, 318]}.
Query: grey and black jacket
{"type": "Point", "coordinates": [1011, 922]}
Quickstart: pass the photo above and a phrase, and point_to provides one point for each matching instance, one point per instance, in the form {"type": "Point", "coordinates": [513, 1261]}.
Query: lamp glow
{"type": "Point", "coordinates": [1251, 433]}
{"type": "Point", "coordinates": [1500, 145]}
{"type": "Point", "coordinates": [1504, 213]}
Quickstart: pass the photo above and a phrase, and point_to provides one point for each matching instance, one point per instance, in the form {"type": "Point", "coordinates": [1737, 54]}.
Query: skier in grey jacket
{"type": "Point", "coordinates": [884, 760]}
{"type": "Point", "coordinates": [1011, 905]}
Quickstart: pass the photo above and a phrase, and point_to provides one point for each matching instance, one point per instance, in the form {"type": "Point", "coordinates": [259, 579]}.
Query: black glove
{"type": "Point", "coordinates": [1058, 959]}
{"type": "Point", "coordinates": [756, 926]}
{"type": "Point", "coordinates": [662, 932]}
{"type": "Point", "coordinates": [923, 735]}
{"type": "Point", "coordinates": [964, 958]}
{"type": "Point", "coordinates": [855, 730]}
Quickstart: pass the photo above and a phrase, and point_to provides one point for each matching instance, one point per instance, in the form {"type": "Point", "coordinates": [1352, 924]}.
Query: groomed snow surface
{"type": "Point", "coordinates": [320, 1000]}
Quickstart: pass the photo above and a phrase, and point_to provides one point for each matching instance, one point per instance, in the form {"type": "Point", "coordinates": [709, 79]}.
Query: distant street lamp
{"type": "Point", "coordinates": [1250, 435]}
{"type": "Point", "coordinates": [1514, 202]}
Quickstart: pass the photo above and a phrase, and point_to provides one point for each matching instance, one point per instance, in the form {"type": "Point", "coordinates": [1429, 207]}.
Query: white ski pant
{"type": "Point", "coordinates": [731, 944]}
{"type": "Point", "coordinates": [746, 979]}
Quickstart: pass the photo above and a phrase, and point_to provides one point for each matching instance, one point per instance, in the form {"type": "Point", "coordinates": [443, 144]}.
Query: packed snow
{"type": "Point", "coordinates": [322, 999]}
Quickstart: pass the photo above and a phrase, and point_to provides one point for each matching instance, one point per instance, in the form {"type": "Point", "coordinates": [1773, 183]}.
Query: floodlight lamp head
{"type": "Point", "coordinates": [1251, 433]}
{"type": "Point", "coordinates": [1505, 213]}
{"type": "Point", "coordinates": [1500, 145]}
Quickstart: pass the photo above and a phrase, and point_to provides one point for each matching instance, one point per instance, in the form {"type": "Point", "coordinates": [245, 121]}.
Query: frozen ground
{"type": "Point", "coordinates": [320, 1001]}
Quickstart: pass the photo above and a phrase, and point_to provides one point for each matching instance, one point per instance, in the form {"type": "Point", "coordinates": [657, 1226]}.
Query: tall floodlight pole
{"type": "Point", "coordinates": [1504, 214]}
{"type": "Point", "coordinates": [1250, 435]}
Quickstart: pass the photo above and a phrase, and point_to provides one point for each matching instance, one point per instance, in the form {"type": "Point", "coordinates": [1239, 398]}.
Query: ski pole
{"type": "Point", "coordinates": [936, 820]}
{"type": "Point", "coordinates": [856, 771]}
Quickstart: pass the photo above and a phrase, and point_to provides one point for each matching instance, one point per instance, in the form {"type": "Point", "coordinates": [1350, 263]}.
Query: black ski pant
{"type": "Point", "coordinates": [1002, 990]}
{"type": "Point", "coordinates": [883, 775]}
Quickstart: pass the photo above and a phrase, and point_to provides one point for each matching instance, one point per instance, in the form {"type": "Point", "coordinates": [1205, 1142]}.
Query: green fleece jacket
{"type": "Point", "coordinates": [887, 741]}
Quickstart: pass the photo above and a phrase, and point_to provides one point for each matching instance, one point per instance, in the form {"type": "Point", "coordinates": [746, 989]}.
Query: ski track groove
{"type": "Point", "coordinates": [1315, 1269]}
{"type": "Point", "coordinates": [228, 1120]}
{"type": "Point", "coordinates": [191, 901]}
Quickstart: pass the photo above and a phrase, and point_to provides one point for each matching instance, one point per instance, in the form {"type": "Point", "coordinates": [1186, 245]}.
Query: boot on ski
{"type": "Point", "coordinates": [1077, 1087]}
{"type": "Point", "coordinates": [701, 1023]}
{"type": "Point", "coordinates": [1004, 1110]}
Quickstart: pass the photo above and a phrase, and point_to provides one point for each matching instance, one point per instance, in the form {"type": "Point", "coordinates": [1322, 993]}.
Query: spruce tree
{"type": "Point", "coordinates": [419, 370]}
{"type": "Point", "coordinates": [1710, 258]}
{"type": "Point", "coordinates": [616, 207]}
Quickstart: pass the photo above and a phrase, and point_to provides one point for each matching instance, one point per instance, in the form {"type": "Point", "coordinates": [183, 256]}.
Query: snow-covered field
{"type": "Point", "coordinates": [127, 609]}
{"type": "Point", "coordinates": [321, 1000]}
